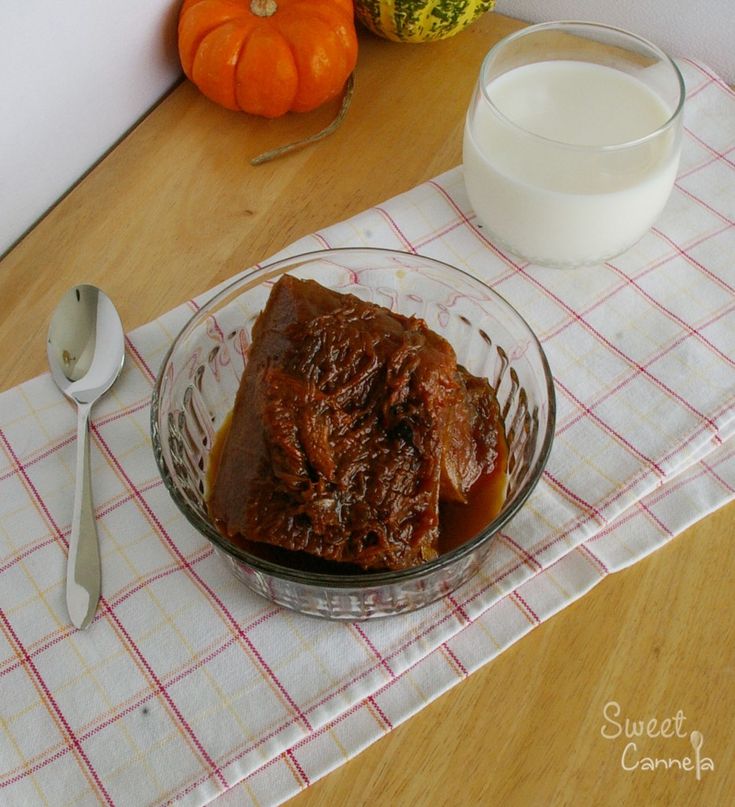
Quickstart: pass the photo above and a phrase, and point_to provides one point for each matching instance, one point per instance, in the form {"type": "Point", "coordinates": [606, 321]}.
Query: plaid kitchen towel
{"type": "Point", "coordinates": [187, 684]}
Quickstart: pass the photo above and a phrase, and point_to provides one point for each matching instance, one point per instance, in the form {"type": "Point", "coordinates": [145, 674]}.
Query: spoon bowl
{"type": "Point", "coordinates": [86, 351]}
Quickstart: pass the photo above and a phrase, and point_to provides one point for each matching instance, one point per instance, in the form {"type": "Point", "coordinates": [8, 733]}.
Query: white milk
{"type": "Point", "coordinates": [567, 204]}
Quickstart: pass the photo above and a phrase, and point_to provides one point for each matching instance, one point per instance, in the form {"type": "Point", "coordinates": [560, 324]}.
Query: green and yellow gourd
{"type": "Point", "coordinates": [419, 20]}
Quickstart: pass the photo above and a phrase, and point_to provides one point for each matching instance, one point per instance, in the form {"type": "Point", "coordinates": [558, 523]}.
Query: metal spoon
{"type": "Point", "coordinates": [86, 349]}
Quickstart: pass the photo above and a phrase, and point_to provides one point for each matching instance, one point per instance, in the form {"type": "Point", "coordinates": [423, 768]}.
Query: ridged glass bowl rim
{"type": "Point", "coordinates": [366, 579]}
{"type": "Point", "coordinates": [566, 25]}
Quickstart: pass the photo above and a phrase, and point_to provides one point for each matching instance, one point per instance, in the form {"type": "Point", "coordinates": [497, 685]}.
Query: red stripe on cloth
{"type": "Point", "coordinates": [647, 510]}
{"type": "Point", "coordinates": [36, 496]}
{"type": "Point", "coordinates": [457, 609]}
{"type": "Point", "coordinates": [696, 168]}
{"type": "Point", "coordinates": [123, 413]}
{"type": "Point", "coordinates": [463, 221]}
{"type": "Point", "coordinates": [327, 727]}
{"type": "Point", "coordinates": [706, 83]}
{"type": "Point", "coordinates": [673, 316]}
{"type": "Point", "coordinates": [693, 261]}
{"type": "Point", "coordinates": [322, 240]}
{"type": "Point", "coordinates": [33, 651]}
{"type": "Point", "coordinates": [309, 738]}
{"type": "Point", "coordinates": [182, 674]}
{"type": "Point", "coordinates": [201, 662]}
{"type": "Point", "coordinates": [448, 650]}
{"type": "Point", "coordinates": [440, 233]}
{"type": "Point", "coordinates": [15, 468]}
{"type": "Point", "coordinates": [715, 78]}
{"type": "Point", "coordinates": [585, 550]}
{"type": "Point", "coordinates": [40, 647]}
{"type": "Point", "coordinates": [606, 427]}
{"type": "Point", "coordinates": [31, 769]}
{"type": "Point", "coordinates": [396, 229]}
{"type": "Point", "coordinates": [704, 204]}
{"type": "Point", "coordinates": [725, 484]}
{"type": "Point", "coordinates": [575, 497]}
{"type": "Point", "coordinates": [531, 615]}
{"type": "Point", "coordinates": [630, 514]}
{"type": "Point", "coordinates": [144, 582]}
{"type": "Point", "coordinates": [140, 361]}
{"type": "Point", "coordinates": [605, 341]}
{"type": "Point", "coordinates": [527, 556]}
{"type": "Point", "coordinates": [305, 781]}
{"type": "Point", "coordinates": [271, 674]}
{"type": "Point", "coordinates": [51, 701]}
{"type": "Point", "coordinates": [236, 757]}
{"type": "Point", "coordinates": [715, 440]}
{"type": "Point", "coordinates": [383, 716]}
{"type": "Point", "coordinates": [373, 649]}
{"type": "Point", "coordinates": [27, 552]}
{"type": "Point", "coordinates": [554, 332]}
{"type": "Point", "coordinates": [579, 522]}
{"type": "Point", "coordinates": [719, 155]}
{"type": "Point", "coordinates": [538, 550]}
{"type": "Point", "coordinates": [106, 509]}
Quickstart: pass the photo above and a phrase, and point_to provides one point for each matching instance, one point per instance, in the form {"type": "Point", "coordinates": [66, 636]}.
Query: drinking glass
{"type": "Point", "coordinates": [572, 141]}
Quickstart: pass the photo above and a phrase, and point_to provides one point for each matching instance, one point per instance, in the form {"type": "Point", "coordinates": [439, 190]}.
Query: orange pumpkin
{"type": "Point", "coordinates": [267, 57]}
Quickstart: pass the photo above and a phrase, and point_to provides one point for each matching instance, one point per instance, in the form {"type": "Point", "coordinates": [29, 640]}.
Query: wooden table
{"type": "Point", "coordinates": [174, 209]}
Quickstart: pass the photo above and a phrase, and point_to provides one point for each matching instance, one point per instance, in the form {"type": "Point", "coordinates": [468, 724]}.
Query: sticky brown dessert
{"type": "Point", "coordinates": [351, 427]}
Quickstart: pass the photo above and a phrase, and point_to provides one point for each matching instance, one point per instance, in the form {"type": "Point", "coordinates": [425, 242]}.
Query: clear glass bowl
{"type": "Point", "coordinates": [200, 375]}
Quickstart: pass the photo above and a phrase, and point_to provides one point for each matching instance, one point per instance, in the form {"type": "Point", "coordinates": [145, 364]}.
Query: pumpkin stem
{"type": "Point", "coordinates": [263, 8]}
{"type": "Point", "coordinates": [267, 156]}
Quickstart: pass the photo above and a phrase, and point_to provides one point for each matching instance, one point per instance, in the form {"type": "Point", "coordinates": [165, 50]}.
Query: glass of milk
{"type": "Point", "coordinates": [572, 141]}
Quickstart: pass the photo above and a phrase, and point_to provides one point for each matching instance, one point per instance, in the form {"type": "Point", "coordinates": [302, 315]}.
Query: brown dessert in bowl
{"type": "Point", "coordinates": [355, 436]}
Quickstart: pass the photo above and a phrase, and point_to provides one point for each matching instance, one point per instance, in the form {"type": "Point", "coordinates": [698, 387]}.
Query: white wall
{"type": "Point", "coordinates": [699, 29]}
{"type": "Point", "coordinates": [76, 75]}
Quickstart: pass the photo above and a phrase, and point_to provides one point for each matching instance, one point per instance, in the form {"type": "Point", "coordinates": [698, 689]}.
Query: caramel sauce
{"type": "Point", "coordinates": [458, 522]}
{"type": "Point", "coordinates": [215, 455]}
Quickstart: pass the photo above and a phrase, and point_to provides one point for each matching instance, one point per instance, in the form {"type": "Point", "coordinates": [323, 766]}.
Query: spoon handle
{"type": "Point", "coordinates": [83, 564]}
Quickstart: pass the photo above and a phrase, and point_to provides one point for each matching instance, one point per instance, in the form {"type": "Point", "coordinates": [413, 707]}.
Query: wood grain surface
{"type": "Point", "coordinates": [175, 208]}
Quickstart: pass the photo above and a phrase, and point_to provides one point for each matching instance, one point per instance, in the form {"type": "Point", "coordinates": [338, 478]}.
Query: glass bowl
{"type": "Point", "coordinates": [199, 378]}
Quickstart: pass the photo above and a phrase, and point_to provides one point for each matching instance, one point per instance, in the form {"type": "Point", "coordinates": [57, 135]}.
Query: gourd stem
{"type": "Point", "coordinates": [273, 154]}
{"type": "Point", "coordinates": [263, 8]}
